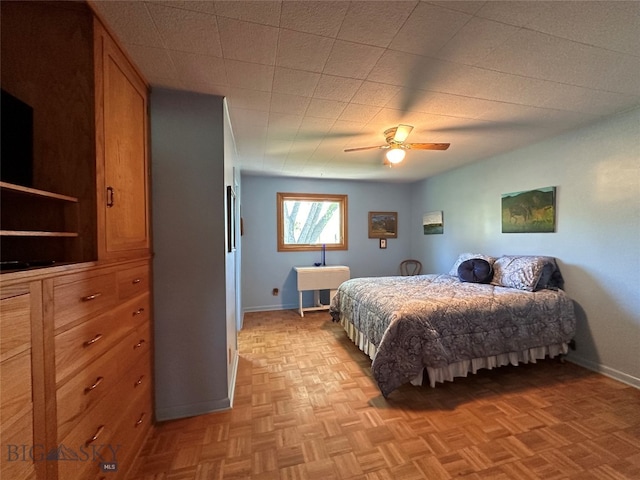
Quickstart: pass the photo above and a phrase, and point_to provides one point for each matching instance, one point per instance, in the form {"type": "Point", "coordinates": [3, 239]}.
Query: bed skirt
{"type": "Point", "coordinates": [462, 368]}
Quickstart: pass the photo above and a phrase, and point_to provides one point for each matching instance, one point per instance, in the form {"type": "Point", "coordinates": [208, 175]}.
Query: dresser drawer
{"type": "Point", "coordinates": [85, 342]}
{"type": "Point", "coordinates": [83, 294]}
{"type": "Point", "coordinates": [136, 312]}
{"type": "Point", "coordinates": [87, 387]}
{"type": "Point", "coordinates": [15, 325]}
{"type": "Point", "coordinates": [19, 432]}
{"type": "Point", "coordinates": [92, 440]}
{"type": "Point", "coordinates": [133, 282]}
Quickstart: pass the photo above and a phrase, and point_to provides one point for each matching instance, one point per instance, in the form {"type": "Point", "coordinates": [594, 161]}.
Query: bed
{"type": "Point", "coordinates": [486, 312]}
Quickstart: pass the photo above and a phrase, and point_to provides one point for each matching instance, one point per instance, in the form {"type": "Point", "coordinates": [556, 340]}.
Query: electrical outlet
{"type": "Point", "coordinates": [275, 292]}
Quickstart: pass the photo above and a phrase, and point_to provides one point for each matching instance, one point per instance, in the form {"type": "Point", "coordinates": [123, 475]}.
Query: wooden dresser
{"type": "Point", "coordinates": [76, 337]}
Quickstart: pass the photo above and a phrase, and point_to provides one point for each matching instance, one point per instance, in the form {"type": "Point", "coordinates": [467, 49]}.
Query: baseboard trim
{"type": "Point", "coordinates": [271, 308]}
{"type": "Point", "coordinates": [604, 370]}
{"type": "Point", "coordinates": [192, 409]}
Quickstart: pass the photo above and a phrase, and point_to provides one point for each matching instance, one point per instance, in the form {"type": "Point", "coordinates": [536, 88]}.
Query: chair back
{"type": "Point", "coordinates": [410, 267]}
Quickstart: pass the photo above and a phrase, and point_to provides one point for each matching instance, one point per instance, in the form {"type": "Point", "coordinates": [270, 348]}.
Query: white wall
{"type": "Point", "coordinates": [597, 174]}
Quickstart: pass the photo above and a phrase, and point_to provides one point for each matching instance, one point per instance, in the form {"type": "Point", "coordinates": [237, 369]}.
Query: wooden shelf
{"type": "Point", "coordinates": [33, 233]}
{"type": "Point", "coordinates": [19, 189]}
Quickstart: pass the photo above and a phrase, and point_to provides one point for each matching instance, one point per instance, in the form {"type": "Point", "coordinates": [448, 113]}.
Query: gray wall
{"type": "Point", "coordinates": [597, 174]}
{"type": "Point", "coordinates": [194, 306]}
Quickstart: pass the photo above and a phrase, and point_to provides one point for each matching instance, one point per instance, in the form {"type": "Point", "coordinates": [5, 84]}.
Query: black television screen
{"type": "Point", "coordinates": [16, 139]}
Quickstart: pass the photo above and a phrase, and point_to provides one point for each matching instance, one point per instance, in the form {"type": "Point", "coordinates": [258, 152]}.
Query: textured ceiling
{"type": "Point", "coordinates": [307, 79]}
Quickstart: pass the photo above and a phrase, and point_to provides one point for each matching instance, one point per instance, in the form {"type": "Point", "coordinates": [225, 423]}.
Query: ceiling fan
{"type": "Point", "coordinates": [396, 145]}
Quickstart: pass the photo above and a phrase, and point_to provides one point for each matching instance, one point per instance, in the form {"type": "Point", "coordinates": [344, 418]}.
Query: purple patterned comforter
{"type": "Point", "coordinates": [436, 320]}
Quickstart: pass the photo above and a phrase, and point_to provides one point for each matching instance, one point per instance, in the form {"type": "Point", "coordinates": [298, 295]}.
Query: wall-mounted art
{"type": "Point", "coordinates": [432, 223]}
{"type": "Point", "coordinates": [383, 224]}
{"type": "Point", "coordinates": [529, 211]}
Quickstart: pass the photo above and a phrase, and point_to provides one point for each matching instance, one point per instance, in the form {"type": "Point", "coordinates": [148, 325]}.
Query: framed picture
{"type": "Point", "coordinates": [529, 211]}
{"type": "Point", "coordinates": [231, 219]}
{"type": "Point", "coordinates": [383, 243]}
{"type": "Point", "coordinates": [432, 223]}
{"type": "Point", "coordinates": [383, 224]}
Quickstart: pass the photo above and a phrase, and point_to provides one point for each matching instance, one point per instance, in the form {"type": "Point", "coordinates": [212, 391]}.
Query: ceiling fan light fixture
{"type": "Point", "coordinates": [395, 154]}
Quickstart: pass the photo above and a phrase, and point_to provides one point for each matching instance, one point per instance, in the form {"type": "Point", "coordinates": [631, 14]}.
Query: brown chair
{"type": "Point", "coordinates": [410, 267]}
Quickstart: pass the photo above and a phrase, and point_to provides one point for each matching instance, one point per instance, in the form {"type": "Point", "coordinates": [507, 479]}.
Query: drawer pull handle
{"type": "Point", "coordinates": [139, 381]}
{"type": "Point", "coordinates": [136, 280]}
{"type": "Point", "coordinates": [139, 422]}
{"type": "Point", "coordinates": [88, 298]}
{"type": "Point", "coordinates": [110, 199]}
{"type": "Point", "coordinates": [139, 344]}
{"type": "Point", "coordinates": [93, 387]}
{"type": "Point", "coordinates": [138, 312]}
{"type": "Point", "coordinates": [93, 340]}
{"type": "Point", "coordinates": [95, 436]}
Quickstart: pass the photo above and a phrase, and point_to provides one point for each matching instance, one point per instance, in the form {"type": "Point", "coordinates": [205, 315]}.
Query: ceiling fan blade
{"type": "Point", "coordinates": [402, 132]}
{"type": "Point", "coordinates": [364, 148]}
{"type": "Point", "coordinates": [427, 146]}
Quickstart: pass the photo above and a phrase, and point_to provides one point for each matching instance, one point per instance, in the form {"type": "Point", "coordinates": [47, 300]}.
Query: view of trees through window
{"type": "Point", "coordinates": [307, 221]}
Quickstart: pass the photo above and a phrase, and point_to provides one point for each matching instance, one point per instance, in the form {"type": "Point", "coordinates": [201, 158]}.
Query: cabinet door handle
{"type": "Point", "coordinates": [93, 296]}
{"type": "Point", "coordinates": [136, 280]}
{"type": "Point", "coordinates": [95, 436]}
{"type": "Point", "coordinates": [139, 381]}
{"type": "Point", "coordinates": [138, 312]}
{"type": "Point", "coordinates": [93, 340]}
{"type": "Point", "coordinates": [110, 197]}
{"type": "Point", "coordinates": [139, 344]}
{"type": "Point", "coordinates": [92, 387]}
{"type": "Point", "coordinates": [140, 420]}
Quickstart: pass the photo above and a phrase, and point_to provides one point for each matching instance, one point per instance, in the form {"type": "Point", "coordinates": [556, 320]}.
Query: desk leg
{"type": "Point", "coordinates": [300, 302]}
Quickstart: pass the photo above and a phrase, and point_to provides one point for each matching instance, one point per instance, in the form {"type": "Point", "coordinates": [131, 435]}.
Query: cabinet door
{"type": "Point", "coordinates": [122, 144]}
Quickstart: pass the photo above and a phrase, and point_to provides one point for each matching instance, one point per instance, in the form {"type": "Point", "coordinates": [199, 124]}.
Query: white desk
{"type": "Point", "coordinates": [320, 278]}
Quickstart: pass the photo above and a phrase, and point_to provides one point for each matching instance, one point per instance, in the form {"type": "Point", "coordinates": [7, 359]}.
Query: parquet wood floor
{"type": "Point", "coordinates": [306, 407]}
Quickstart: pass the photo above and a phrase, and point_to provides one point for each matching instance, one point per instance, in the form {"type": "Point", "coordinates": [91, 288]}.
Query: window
{"type": "Point", "coordinates": [306, 221]}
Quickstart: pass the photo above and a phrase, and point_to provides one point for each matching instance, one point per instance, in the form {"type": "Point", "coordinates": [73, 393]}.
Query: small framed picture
{"type": "Point", "coordinates": [383, 243]}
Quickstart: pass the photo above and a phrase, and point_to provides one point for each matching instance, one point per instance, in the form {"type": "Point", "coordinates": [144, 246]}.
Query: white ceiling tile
{"type": "Point", "coordinates": [262, 11]}
{"type": "Point", "coordinates": [248, 99]}
{"type": "Point", "coordinates": [348, 59]}
{"type": "Point", "coordinates": [200, 69]}
{"type": "Point", "coordinates": [359, 113]}
{"type": "Point", "coordinates": [336, 88]}
{"type": "Point", "coordinates": [318, 17]}
{"type": "Point", "coordinates": [372, 93]}
{"type": "Point", "coordinates": [470, 7]}
{"type": "Point", "coordinates": [131, 21]}
{"type": "Point", "coordinates": [186, 30]}
{"type": "Point", "coordinates": [248, 42]}
{"type": "Point", "coordinates": [590, 22]}
{"type": "Point", "coordinates": [303, 51]}
{"type": "Point", "coordinates": [565, 61]}
{"type": "Point", "coordinates": [374, 23]}
{"type": "Point", "coordinates": [195, 5]}
{"type": "Point", "coordinates": [477, 39]}
{"type": "Point", "coordinates": [155, 62]}
{"type": "Point", "coordinates": [427, 30]}
{"type": "Point", "coordinates": [249, 75]}
{"type": "Point", "coordinates": [295, 82]}
{"type": "Point", "coordinates": [325, 108]}
{"type": "Point", "coordinates": [518, 13]}
{"type": "Point", "coordinates": [290, 104]}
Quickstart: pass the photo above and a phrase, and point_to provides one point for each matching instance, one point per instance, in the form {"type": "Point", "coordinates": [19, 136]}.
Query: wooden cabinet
{"type": "Point", "coordinates": [121, 126]}
{"type": "Point", "coordinates": [88, 199]}
{"type": "Point", "coordinates": [75, 357]}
